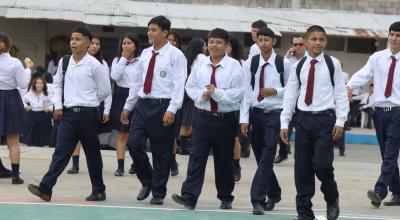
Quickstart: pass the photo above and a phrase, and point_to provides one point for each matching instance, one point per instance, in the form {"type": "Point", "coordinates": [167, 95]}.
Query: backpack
{"type": "Point", "coordinates": [255, 60]}
{"type": "Point", "coordinates": [328, 61]}
{"type": "Point", "coordinates": [65, 63]}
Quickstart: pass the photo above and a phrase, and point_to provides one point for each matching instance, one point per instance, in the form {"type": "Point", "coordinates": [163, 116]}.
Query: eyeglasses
{"type": "Point", "coordinates": [300, 45]}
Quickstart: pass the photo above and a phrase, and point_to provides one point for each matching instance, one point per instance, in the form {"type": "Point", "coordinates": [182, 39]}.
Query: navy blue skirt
{"type": "Point", "coordinates": [11, 112]}
{"type": "Point", "coordinates": [187, 112]}
{"type": "Point", "coordinates": [118, 102]}
{"type": "Point", "coordinates": [38, 129]}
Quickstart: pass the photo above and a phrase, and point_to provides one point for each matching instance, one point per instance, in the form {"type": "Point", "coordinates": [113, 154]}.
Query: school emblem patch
{"type": "Point", "coordinates": [163, 74]}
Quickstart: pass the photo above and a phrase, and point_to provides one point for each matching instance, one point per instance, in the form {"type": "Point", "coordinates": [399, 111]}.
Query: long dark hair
{"type": "Point", "coordinates": [194, 48]}
{"type": "Point", "coordinates": [98, 55]}
{"type": "Point", "coordinates": [32, 85]}
{"type": "Point", "coordinates": [177, 38]}
{"type": "Point", "coordinates": [237, 48]}
{"type": "Point", "coordinates": [135, 39]}
{"type": "Point", "coordinates": [4, 38]}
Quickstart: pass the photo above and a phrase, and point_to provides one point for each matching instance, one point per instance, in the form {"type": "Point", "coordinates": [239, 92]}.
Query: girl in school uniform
{"type": "Point", "coordinates": [12, 75]}
{"type": "Point", "coordinates": [195, 54]}
{"type": "Point", "coordinates": [122, 70]}
{"type": "Point", "coordinates": [38, 106]}
{"type": "Point", "coordinates": [104, 108]}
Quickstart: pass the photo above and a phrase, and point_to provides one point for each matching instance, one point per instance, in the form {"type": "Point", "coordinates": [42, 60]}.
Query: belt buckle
{"type": "Point", "coordinates": [267, 111]}
{"type": "Point", "coordinates": [387, 109]}
{"type": "Point", "coordinates": [215, 114]}
{"type": "Point", "coordinates": [314, 112]}
{"type": "Point", "coordinates": [76, 109]}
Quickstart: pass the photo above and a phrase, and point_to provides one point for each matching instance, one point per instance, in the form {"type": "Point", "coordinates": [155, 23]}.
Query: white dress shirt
{"type": "Point", "coordinates": [271, 80]}
{"type": "Point", "coordinates": [367, 100]}
{"type": "Point", "coordinates": [254, 50]}
{"type": "Point", "coordinates": [230, 86]}
{"type": "Point", "coordinates": [108, 100]}
{"type": "Point", "coordinates": [122, 71]}
{"type": "Point", "coordinates": [36, 102]}
{"type": "Point", "coordinates": [12, 74]}
{"type": "Point", "coordinates": [28, 74]}
{"type": "Point", "coordinates": [377, 69]}
{"type": "Point", "coordinates": [86, 83]}
{"type": "Point", "coordinates": [324, 96]}
{"type": "Point", "coordinates": [170, 72]}
{"type": "Point", "coordinates": [52, 68]}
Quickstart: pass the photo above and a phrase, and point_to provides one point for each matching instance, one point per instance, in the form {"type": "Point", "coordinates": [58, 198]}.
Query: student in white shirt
{"type": "Point", "coordinates": [255, 27]}
{"type": "Point", "coordinates": [12, 75]}
{"type": "Point", "coordinates": [104, 108]}
{"type": "Point", "coordinates": [155, 95]}
{"type": "Point", "coordinates": [321, 98]}
{"type": "Point", "coordinates": [383, 67]}
{"type": "Point", "coordinates": [38, 105]}
{"type": "Point", "coordinates": [265, 97]}
{"type": "Point", "coordinates": [216, 86]}
{"type": "Point", "coordinates": [77, 95]}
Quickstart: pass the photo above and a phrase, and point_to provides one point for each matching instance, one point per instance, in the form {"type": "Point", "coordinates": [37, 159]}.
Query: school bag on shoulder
{"type": "Point", "coordinates": [255, 60]}
{"type": "Point", "coordinates": [65, 63]}
{"type": "Point", "coordinates": [328, 61]}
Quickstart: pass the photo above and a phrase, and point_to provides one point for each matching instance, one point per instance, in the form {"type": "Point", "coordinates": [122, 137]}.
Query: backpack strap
{"type": "Point", "coordinates": [280, 68]}
{"type": "Point", "coordinates": [298, 68]}
{"type": "Point", "coordinates": [331, 68]}
{"type": "Point", "coordinates": [255, 61]}
{"type": "Point", "coordinates": [65, 63]}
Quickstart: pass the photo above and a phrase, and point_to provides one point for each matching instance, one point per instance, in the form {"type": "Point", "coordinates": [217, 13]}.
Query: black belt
{"type": "Point", "coordinates": [157, 101]}
{"type": "Point", "coordinates": [387, 109]}
{"type": "Point", "coordinates": [267, 111]}
{"type": "Point", "coordinates": [215, 114]}
{"type": "Point", "coordinates": [81, 109]}
{"type": "Point", "coordinates": [324, 112]}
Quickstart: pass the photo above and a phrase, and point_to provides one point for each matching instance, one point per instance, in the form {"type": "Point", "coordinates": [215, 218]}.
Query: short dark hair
{"type": "Point", "coordinates": [161, 21]}
{"type": "Point", "coordinates": [219, 33]}
{"type": "Point", "coordinates": [259, 24]}
{"type": "Point", "coordinates": [315, 28]}
{"type": "Point", "coordinates": [267, 32]}
{"type": "Point", "coordinates": [296, 36]}
{"type": "Point", "coordinates": [135, 39]}
{"type": "Point", "coordinates": [177, 38]}
{"type": "Point", "coordinates": [395, 26]}
{"type": "Point", "coordinates": [84, 31]}
{"type": "Point", "coordinates": [6, 40]}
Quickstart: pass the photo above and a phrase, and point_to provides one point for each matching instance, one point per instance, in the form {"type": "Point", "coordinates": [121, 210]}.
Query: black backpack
{"type": "Point", "coordinates": [328, 61]}
{"type": "Point", "coordinates": [255, 60]}
{"type": "Point", "coordinates": [65, 63]}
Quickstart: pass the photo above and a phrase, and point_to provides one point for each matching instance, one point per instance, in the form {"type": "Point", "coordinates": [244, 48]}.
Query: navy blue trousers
{"type": "Point", "coordinates": [314, 157]}
{"type": "Point", "coordinates": [387, 125]}
{"type": "Point", "coordinates": [218, 134]}
{"type": "Point", "coordinates": [147, 124]}
{"type": "Point", "coordinates": [265, 136]}
{"type": "Point", "coordinates": [74, 127]}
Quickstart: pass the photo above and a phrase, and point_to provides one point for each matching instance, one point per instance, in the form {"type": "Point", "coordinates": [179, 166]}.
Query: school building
{"type": "Point", "coordinates": [40, 27]}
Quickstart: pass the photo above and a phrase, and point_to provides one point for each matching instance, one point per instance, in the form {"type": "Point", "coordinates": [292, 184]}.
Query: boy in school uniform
{"type": "Point", "coordinates": [156, 93]}
{"type": "Point", "coordinates": [266, 100]}
{"type": "Point", "coordinates": [316, 86]}
{"type": "Point", "coordinates": [216, 86]}
{"type": "Point", "coordinates": [384, 68]}
{"type": "Point", "coordinates": [255, 27]}
{"type": "Point", "coordinates": [77, 94]}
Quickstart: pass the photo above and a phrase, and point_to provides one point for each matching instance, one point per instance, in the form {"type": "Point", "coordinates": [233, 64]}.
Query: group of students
{"type": "Point", "coordinates": [266, 90]}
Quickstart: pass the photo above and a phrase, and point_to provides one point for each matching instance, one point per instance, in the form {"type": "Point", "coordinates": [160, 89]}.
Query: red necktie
{"type": "Point", "coordinates": [389, 83]}
{"type": "Point", "coordinates": [310, 83]}
{"type": "Point", "coordinates": [261, 84]}
{"type": "Point", "coordinates": [214, 104]}
{"type": "Point", "coordinates": [150, 72]}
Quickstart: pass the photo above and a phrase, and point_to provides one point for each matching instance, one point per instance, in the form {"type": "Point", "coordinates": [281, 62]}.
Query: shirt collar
{"type": "Point", "coordinates": [163, 49]}
{"type": "Point", "coordinates": [222, 62]}
{"type": "Point", "coordinates": [389, 54]}
{"type": "Point", "coordinates": [84, 60]}
{"type": "Point", "coordinates": [319, 58]}
{"type": "Point", "coordinates": [5, 54]}
{"type": "Point", "coordinates": [271, 59]}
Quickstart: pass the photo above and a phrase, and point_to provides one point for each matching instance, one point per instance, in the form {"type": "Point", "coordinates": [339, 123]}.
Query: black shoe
{"type": "Point", "coordinates": [237, 175]}
{"type": "Point", "coordinates": [38, 191]}
{"type": "Point", "coordinates": [73, 171]}
{"type": "Point", "coordinates": [119, 172]}
{"type": "Point", "coordinates": [183, 201]}
{"type": "Point", "coordinates": [100, 196]}
{"type": "Point", "coordinates": [132, 170]}
{"type": "Point", "coordinates": [5, 173]}
{"type": "Point", "coordinates": [174, 169]}
{"type": "Point", "coordinates": [280, 159]}
{"type": "Point", "coordinates": [270, 204]}
{"type": "Point", "coordinates": [143, 193]}
{"type": "Point", "coordinates": [333, 211]}
{"type": "Point", "coordinates": [225, 205]}
{"type": "Point", "coordinates": [394, 201]}
{"type": "Point", "coordinates": [342, 154]}
{"type": "Point", "coordinates": [245, 154]}
{"type": "Point", "coordinates": [375, 198]}
{"type": "Point", "coordinates": [156, 201]}
{"type": "Point", "coordinates": [258, 209]}
{"type": "Point", "coordinates": [17, 180]}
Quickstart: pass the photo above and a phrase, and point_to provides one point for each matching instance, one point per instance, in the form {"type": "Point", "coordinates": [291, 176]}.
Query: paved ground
{"type": "Point", "coordinates": [355, 174]}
